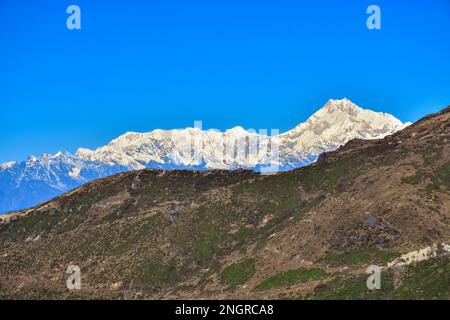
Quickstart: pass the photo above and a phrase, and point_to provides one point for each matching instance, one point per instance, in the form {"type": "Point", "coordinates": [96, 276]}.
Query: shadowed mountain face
{"type": "Point", "coordinates": [309, 233]}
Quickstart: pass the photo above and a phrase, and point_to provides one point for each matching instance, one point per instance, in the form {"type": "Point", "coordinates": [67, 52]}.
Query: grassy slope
{"type": "Point", "coordinates": [150, 234]}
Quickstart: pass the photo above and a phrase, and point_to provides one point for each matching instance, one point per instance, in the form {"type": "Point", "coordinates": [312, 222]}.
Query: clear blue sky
{"type": "Point", "coordinates": [140, 65]}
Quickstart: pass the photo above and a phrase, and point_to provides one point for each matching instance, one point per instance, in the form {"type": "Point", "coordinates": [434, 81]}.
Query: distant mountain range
{"type": "Point", "coordinates": [35, 180]}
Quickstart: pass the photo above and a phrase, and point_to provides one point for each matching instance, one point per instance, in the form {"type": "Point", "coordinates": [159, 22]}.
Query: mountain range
{"type": "Point", "coordinates": [306, 233]}
{"type": "Point", "coordinates": [35, 180]}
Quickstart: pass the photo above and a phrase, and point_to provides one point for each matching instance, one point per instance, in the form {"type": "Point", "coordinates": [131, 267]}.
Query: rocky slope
{"type": "Point", "coordinates": [309, 233]}
{"type": "Point", "coordinates": [39, 179]}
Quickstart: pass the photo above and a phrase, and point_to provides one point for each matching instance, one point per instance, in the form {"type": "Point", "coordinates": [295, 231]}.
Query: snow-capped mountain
{"type": "Point", "coordinates": [336, 123]}
{"type": "Point", "coordinates": [35, 180]}
{"type": "Point", "coordinates": [187, 148]}
{"type": "Point", "coordinates": [330, 127]}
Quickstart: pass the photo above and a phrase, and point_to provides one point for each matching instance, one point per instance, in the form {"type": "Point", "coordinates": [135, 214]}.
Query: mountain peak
{"type": "Point", "coordinates": [344, 104]}
{"type": "Point", "coordinates": [83, 152]}
{"type": "Point", "coordinates": [236, 130]}
{"type": "Point", "coordinates": [32, 159]}
{"type": "Point", "coordinates": [7, 165]}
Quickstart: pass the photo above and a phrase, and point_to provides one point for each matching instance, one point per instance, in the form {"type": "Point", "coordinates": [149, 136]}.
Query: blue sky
{"type": "Point", "coordinates": [137, 66]}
